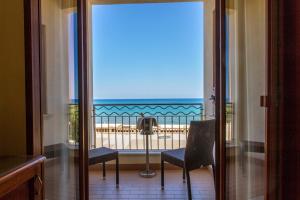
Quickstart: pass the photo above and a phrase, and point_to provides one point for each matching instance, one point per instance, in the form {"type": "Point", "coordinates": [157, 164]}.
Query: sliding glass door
{"type": "Point", "coordinates": [245, 90]}
{"type": "Point", "coordinates": [60, 98]}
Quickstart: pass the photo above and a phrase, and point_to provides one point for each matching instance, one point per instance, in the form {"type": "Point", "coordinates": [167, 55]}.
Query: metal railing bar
{"type": "Point", "coordinates": [136, 134]}
{"type": "Point", "coordinates": [129, 121]}
{"type": "Point", "coordinates": [186, 129]}
{"type": "Point", "coordinates": [94, 127]}
{"type": "Point", "coordinates": [108, 135]}
{"type": "Point", "coordinates": [165, 135]}
{"type": "Point", "coordinates": [122, 133]}
{"type": "Point", "coordinates": [101, 133]}
{"type": "Point", "coordinates": [157, 132]}
{"type": "Point", "coordinates": [179, 131]}
{"type": "Point", "coordinates": [116, 142]}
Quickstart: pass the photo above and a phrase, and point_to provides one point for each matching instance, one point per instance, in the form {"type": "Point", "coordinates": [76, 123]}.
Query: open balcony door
{"type": "Point", "coordinates": [248, 88]}
{"type": "Point", "coordinates": [55, 63]}
{"type": "Point", "coordinates": [63, 98]}
{"type": "Point", "coordinates": [245, 89]}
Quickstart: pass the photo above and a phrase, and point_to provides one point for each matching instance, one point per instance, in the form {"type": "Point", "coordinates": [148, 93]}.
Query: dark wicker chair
{"type": "Point", "coordinates": [102, 155]}
{"type": "Point", "coordinates": [198, 151]}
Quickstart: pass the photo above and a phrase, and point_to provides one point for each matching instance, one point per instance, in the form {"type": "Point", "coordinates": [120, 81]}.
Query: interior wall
{"type": "Point", "coordinates": [55, 124]}
{"type": "Point", "coordinates": [209, 8]}
{"type": "Point", "coordinates": [12, 79]}
{"type": "Point", "coordinates": [90, 74]}
{"type": "Point", "coordinates": [255, 43]}
{"type": "Point", "coordinates": [247, 67]}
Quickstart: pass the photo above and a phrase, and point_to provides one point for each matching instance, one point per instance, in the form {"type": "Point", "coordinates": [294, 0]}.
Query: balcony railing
{"type": "Point", "coordinates": [114, 125]}
{"type": "Point", "coordinates": [73, 126]}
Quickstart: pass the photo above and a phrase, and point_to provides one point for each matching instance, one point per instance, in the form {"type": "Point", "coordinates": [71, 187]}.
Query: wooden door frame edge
{"type": "Point", "coordinates": [34, 142]}
{"type": "Point", "coordinates": [32, 77]}
{"type": "Point", "coordinates": [83, 99]}
{"type": "Point", "coordinates": [220, 150]}
{"type": "Point", "coordinates": [32, 85]}
{"type": "Point", "coordinates": [273, 112]}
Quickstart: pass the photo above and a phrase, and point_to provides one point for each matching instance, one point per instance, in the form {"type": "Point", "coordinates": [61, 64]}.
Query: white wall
{"type": "Point", "coordinates": [247, 65]}
{"type": "Point", "coordinates": [209, 7]}
{"type": "Point", "coordinates": [90, 75]}
{"type": "Point", "coordinates": [56, 120]}
{"type": "Point", "coordinates": [255, 41]}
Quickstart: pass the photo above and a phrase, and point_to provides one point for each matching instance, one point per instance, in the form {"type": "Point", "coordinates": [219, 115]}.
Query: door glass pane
{"type": "Point", "coordinates": [59, 71]}
{"type": "Point", "coordinates": [245, 84]}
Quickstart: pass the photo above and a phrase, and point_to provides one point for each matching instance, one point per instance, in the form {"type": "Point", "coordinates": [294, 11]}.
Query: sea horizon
{"type": "Point", "coordinates": [148, 100]}
{"type": "Point", "coordinates": [145, 101]}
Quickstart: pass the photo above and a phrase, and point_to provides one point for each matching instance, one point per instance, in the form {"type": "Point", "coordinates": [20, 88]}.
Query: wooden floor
{"type": "Point", "coordinates": [132, 186]}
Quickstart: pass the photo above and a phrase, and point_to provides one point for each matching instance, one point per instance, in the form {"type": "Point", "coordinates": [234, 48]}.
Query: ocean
{"type": "Point", "coordinates": [149, 101]}
{"type": "Point", "coordinates": [166, 111]}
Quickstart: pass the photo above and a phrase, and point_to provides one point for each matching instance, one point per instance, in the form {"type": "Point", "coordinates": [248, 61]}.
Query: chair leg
{"type": "Point", "coordinates": [162, 168]}
{"type": "Point", "coordinates": [189, 184]}
{"type": "Point", "coordinates": [183, 175]}
{"type": "Point", "coordinates": [103, 170]}
{"type": "Point", "coordinates": [117, 172]}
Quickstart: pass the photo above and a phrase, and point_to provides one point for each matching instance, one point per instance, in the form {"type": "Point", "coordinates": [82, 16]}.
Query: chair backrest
{"type": "Point", "coordinates": [200, 142]}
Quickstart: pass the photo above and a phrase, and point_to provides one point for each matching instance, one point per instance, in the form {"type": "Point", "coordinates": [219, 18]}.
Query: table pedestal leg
{"type": "Point", "coordinates": [148, 173]}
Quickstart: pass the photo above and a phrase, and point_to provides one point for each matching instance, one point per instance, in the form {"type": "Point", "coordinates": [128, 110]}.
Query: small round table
{"type": "Point", "coordinates": [146, 125]}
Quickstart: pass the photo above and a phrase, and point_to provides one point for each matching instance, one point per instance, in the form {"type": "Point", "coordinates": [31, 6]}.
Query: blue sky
{"type": "Point", "coordinates": [148, 50]}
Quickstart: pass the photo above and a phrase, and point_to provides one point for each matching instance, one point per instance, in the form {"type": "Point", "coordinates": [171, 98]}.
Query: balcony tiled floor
{"type": "Point", "coordinates": [132, 186]}
{"type": "Point", "coordinates": [61, 183]}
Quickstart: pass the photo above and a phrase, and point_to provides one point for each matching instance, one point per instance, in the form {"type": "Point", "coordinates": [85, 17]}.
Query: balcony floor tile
{"type": "Point", "coordinates": [132, 186]}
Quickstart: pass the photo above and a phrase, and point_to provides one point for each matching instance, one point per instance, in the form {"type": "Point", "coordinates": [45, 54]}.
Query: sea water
{"type": "Point", "coordinates": [166, 111]}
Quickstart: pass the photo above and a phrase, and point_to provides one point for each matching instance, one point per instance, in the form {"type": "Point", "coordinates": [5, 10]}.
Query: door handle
{"type": "Point", "coordinates": [40, 185]}
{"type": "Point", "coordinates": [264, 102]}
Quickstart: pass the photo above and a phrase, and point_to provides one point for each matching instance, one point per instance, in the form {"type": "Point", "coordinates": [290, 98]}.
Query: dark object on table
{"type": "Point", "coordinates": [198, 151]}
{"type": "Point", "coordinates": [102, 155]}
{"type": "Point", "coordinates": [146, 124]}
